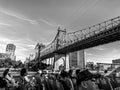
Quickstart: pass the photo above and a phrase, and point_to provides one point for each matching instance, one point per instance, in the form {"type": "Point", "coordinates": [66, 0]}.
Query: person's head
{"type": "Point", "coordinates": [105, 71]}
{"type": "Point", "coordinates": [70, 72]}
{"type": "Point", "coordinates": [5, 73]}
{"type": "Point", "coordinates": [23, 72]}
{"type": "Point", "coordinates": [77, 72]}
{"type": "Point", "coordinates": [64, 74]}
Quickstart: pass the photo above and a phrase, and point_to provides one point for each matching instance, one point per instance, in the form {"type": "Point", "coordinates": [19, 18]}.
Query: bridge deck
{"type": "Point", "coordinates": [106, 32]}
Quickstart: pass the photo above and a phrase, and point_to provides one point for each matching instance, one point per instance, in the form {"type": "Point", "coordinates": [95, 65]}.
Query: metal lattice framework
{"type": "Point", "coordinates": [64, 39]}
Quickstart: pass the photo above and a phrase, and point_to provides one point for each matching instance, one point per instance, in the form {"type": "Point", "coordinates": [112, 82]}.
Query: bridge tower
{"type": "Point", "coordinates": [74, 59]}
{"type": "Point", "coordinates": [60, 36]}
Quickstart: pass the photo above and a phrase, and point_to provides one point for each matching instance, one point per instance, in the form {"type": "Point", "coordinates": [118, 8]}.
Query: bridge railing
{"type": "Point", "coordinates": [79, 35]}
{"type": "Point", "coordinates": [88, 32]}
{"type": "Point", "coordinates": [48, 49]}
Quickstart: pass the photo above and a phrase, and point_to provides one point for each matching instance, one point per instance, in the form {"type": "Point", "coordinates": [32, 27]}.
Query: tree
{"type": "Point", "coordinates": [39, 65]}
{"type": "Point", "coordinates": [8, 62]}
{"type": "Point", "coordinates": [18, 64]}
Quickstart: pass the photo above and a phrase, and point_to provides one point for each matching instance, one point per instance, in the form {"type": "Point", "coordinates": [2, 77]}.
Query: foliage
{"type": "Point", "coordinates": [10, 63]}
{"type": "Point", "coordinates": [35, 66]}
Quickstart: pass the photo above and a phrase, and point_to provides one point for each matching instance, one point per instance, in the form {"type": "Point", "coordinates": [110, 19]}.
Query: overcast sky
{"type": "Point", "coordinates": [26, 22]}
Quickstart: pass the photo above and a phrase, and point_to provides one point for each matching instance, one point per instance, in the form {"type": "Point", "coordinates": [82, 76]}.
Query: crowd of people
{"type": "Point", "coordinates": [80, 80]}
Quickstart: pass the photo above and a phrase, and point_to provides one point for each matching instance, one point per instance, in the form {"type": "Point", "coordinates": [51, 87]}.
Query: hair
{"type": "Point", "coordinates": [83, 76]}
{"type": "Point", "coordinates": [64, 74]}
{"type": "Point", "coordinates": [5, 72]}
{"type": "Point", "coordinates": [23, 71]}
{"type": "Point", "coordinates": [105, 71]}
{"type": "Point", "coordinates": [77, 72]}
{"type": "Point", "coordinates": [70, 72]}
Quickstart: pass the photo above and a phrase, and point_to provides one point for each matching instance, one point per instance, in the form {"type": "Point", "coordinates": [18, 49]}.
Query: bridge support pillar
{"type": "Point", "coordinates": [67, 62]}
{"type": "Point", "coordinates": [59, 59]}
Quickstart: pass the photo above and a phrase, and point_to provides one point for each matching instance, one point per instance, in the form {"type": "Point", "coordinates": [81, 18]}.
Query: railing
{"type": "Point", "coordinates": [79, 35]}
{"type": "Point", "coordinates": [49, 48]}
{"type": "Point", "coordinates": [74, 37]}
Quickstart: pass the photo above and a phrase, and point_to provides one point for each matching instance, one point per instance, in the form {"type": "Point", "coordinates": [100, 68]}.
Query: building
{"type": "Point", "coordinates": [31, 57]}
{"type": "Point", "coordinates": [71, 61]}
{"type": "Point", "coordinates": [10, 49]}
{"type": "Point", "coordinates": [77, 59]}
{"type": "Point", "coordinates": [4, 56]}
{"type": "Point", "coordinates": [108, 66]}
{"type": "Point", "coordinates": [104, 66]}
{"type": "Point", "coordinates": [116, 61]}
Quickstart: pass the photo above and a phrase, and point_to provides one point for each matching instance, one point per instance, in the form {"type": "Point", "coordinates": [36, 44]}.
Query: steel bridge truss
{"type": "Point", "coordinates": [64, 39]}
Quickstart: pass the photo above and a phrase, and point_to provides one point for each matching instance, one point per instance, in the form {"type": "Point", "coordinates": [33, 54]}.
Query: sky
{"type": "Point", "coordinates": [27, 22]}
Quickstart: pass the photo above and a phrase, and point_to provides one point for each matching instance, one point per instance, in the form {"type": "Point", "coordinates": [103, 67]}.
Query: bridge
{"type": "Point", "coordinates": [102, 33]}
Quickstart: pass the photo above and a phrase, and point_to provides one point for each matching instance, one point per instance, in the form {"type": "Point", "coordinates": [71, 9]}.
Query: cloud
{"type": "Point", "coordinates": [24, 47]}
{"type": "Point", "coordinates": [88, 54]}
{"type": "Point", "coordinates": [31, 46]}
{"type": "Point", "coordinates": [48, 22]}
{"type": "Point", "coordinates": [21, 48]}
{"type": "Point", "coordinates": [114, 51]}
{"type": "Point", "coordinates": [22, 17]}
{"type": "Point", "coordinates": [106, 56]}
{"type": "Point", "coordinates": [99, 48]}
{"type": "Point", "coordinates": [5, 40]}
{"type": "Point", "coordinates": [2, 48]}
{"type": "Point", "coordinates": [18, 16]}
{"type": "Point", "coordinates": [5, 24]}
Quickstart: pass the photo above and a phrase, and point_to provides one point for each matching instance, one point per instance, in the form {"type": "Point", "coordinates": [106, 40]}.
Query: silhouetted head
{"type": "Point", "coordinates": [70, 72]}
{"type": "Point", "coordinates": [77, 72]}
{"type": "Point", "coordinates": [64, 74]}
{"type": "Point", "coordinates": [23, 72]}
{"type": "Point", "coordinates": [105, 71]}
{"type": "Point", "coordinates": [5, 72]}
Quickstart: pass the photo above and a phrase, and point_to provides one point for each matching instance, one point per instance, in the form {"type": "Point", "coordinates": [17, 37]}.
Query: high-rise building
{"type": "Point", "coordinates": [71, 60]}
{"type": "Point", "coordinates": [10, 49]}
{"type": "Point", "coordinates": [4, 56]}
{"type": "Point", "coordinates": [77, 59]}
{"type": "Point", "coordinates": [116, 61]}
